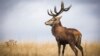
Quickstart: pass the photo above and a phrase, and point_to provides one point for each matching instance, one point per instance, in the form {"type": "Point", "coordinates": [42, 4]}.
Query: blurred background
{"type": "Point", "coordinates": [23, 20]}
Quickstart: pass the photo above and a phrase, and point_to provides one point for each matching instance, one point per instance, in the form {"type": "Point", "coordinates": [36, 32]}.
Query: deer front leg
{"type": "Point", "coordinates": [63, 50]}
{"type": "Point", "coordinates": [59, 47]}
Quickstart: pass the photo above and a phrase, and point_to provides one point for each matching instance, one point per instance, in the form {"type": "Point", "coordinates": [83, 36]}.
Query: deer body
{"type": "Point", "coordinates": [61, 34]}
{"type": "Point", "coordinates": [64, 35]}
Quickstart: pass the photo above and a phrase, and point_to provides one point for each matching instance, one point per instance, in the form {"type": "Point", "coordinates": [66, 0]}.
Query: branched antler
{"type": "Point", "coordinates": [61, 10]}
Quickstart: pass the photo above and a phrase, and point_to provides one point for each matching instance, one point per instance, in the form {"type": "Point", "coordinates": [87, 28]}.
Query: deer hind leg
{"type": "Point", "coordinates": [80, 48]}
{"type": "Point", "coordinates": [74, 49]}
{"type": "Point", "coordinates": [78, 45]}
{"type": "Point", "coordinates": [63, 50]}
{"type": "Point", "coordinates": [59, 47]}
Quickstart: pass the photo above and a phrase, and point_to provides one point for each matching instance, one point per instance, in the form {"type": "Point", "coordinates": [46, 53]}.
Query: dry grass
{"type": "Point", "coordinates": [47, 49]}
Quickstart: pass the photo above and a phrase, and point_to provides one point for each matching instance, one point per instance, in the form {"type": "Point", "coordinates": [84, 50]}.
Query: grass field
{"type": "Point", "coordinates": [45, 49]}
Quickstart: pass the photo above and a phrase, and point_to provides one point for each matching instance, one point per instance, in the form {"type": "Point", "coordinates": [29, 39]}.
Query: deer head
{"type": "Point", "coordinates": [55, 18]}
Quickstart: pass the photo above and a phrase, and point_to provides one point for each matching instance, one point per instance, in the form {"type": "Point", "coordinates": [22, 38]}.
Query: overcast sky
{"type": "Point", "coordinates": [23, 20]}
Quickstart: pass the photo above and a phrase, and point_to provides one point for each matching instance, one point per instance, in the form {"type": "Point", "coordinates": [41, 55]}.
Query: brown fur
{"type": "Point", "coordinates": [64, 35]}
{"type": "Point", "coordinates": [69, 36]}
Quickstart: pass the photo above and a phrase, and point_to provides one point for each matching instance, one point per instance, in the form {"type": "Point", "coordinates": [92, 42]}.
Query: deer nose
{"type": "Point", "coordinates": [45, 23]}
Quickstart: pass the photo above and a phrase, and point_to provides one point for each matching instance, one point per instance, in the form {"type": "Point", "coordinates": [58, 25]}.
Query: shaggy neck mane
{"type": "Point", "coordinates": [56, 26]}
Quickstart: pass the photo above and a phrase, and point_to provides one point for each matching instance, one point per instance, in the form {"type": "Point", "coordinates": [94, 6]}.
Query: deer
{"type": "Point", "coordinates": [64, 35]}
{"type": "Point", "coordinates": [11, 43]}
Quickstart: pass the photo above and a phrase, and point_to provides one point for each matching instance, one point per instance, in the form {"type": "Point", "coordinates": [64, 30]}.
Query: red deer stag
{"type": "Point", "coordinates": [64, 35]}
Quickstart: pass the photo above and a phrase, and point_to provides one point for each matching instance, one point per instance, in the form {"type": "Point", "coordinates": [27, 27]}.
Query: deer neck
{"type": "Point", "coordinates": [56, 26]}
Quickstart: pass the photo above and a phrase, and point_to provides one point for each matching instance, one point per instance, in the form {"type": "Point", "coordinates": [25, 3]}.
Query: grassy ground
{"type": "Point", "coordinates": [45, 49]}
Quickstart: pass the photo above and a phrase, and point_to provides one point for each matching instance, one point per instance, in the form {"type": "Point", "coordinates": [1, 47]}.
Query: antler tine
{"type": "Point", "coordinates": [52, 13]}
{"type": "Point", "coordinates": [62, 5]}
{"type": "Point", "coordinates": [49, 13]}
{"type": "Point", "coordinates": [66, 9]}
{"type": "Point", "coordinates": [55, 10]}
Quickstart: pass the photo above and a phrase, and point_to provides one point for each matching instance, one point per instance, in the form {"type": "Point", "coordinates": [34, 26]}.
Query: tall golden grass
{"type": "Point", "coordinates": [45, 49]}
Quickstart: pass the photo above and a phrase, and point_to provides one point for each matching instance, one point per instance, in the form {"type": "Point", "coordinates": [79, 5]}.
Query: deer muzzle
{"type": "Point", "coordinates": [48, 23]}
